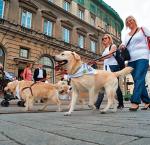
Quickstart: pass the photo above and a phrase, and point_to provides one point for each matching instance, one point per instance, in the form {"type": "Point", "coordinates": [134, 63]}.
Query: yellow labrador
{"type": "Point", "coordinates": [30, 91]}
{"type": "Point", "coordinates": [16, 85]}
{"type": "Point", "coordinates": [93, 83]}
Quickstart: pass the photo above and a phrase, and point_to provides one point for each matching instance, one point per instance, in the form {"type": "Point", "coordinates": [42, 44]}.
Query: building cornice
{"type": "Point", "coordinates": [28, 4]}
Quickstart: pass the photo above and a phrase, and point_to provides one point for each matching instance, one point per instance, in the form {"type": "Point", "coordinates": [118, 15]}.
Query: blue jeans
{"type": "Point", "coordinates": [140, 68]}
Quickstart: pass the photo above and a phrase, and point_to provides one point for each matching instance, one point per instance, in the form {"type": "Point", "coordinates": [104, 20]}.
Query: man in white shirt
{"type": "Point", "coordinates": [39, 73]}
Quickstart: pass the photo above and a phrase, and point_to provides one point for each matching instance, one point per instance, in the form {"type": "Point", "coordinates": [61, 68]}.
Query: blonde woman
{"type": "Point", "coordinates": [110, 64]}
{"type": "Point", "coordinates": [139, 53]}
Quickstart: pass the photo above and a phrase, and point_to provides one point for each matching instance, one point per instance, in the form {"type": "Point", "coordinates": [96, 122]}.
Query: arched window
{"type": "Point", "coordinates": [48, 65]}
{"type": "Point", "coordinates": [2, 56]}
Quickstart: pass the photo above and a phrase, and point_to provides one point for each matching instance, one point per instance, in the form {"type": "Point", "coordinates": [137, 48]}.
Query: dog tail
{"type": "Point", "coordinates": [123, 72]}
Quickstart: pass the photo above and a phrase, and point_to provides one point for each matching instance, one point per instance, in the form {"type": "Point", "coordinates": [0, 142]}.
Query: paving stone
{"type": "Point", "coordinates": [2, 137]}
{"type": "Point", "coordinates": [82, 128]}
{"type": "Point", "coordinates": [142, 141]}
{"type": "Point", "coordinates": [8, 143]}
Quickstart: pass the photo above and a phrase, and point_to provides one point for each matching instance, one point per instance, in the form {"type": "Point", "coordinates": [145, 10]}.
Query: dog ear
{"type": "Point", "coordinates": [76, 56]}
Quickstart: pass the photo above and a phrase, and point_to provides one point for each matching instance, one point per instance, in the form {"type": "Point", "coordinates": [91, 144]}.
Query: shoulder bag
{"type": "Point", "coordinates": [119, 58]}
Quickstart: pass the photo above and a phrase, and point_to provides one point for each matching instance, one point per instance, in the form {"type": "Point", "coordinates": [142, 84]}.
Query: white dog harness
{"type": "Point", "coordinates": [83, 70]}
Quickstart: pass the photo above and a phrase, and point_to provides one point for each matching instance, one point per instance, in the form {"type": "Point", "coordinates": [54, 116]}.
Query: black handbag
{"type": "Point", "coordinates": [119, 57]}
{"type": "Point", "coordinates": [125, 54]}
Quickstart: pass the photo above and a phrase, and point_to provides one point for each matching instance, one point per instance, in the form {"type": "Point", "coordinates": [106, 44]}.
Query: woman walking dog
{"type": "Point", "coordinates": [110, 64]}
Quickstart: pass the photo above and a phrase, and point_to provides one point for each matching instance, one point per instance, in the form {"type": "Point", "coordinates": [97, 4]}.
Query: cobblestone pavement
{"type": "Point", "coordinates": [84, 127]}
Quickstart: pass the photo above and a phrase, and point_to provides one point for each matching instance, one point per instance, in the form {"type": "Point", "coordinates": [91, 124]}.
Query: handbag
{"type": "Point", "coordinates": [119, 58]}
{"type": "Point", "coordinates": [147, 38]}
{"type": "Point", "coordinates": [123, 55]}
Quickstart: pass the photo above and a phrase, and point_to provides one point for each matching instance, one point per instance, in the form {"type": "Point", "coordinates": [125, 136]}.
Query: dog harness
{"type": "Point", "coordinates": [83, 70]}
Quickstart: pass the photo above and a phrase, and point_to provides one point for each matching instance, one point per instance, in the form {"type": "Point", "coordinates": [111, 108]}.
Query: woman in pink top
{"type": "Point", "coordinates": [27, 73]}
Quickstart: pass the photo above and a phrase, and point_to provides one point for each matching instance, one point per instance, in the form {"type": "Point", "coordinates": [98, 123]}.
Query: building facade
{"type": "Point", "coordinates": [35, 30]}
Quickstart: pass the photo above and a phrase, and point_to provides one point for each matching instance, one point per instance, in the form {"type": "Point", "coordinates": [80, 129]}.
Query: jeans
{"type": "Point", "coordinates": [113, 68]}
{"type": "Point", "coordinates": [140, 68]}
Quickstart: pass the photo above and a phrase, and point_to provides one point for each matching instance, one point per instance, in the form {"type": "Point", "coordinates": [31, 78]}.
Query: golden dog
{"type": "Point", "coordinates": [17, 86]}
{"type": "Point", "coordinates": [93, 83]}
{"type": "Point", "coordinates": [30, 91]}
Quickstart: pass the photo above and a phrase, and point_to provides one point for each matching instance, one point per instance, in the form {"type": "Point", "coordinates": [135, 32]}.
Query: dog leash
{"type": "Point", "coordinates": [99, 58]}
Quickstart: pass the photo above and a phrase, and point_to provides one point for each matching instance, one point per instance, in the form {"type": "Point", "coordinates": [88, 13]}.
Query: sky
{"type": "Point", "coordinates": [137, 8]}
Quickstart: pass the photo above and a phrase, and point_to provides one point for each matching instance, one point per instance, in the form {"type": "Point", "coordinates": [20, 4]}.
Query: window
{"type": "Point", "coordinates": [66, 35]}
{"type": "Point", "coordinates": [50, 0]}
{"type": "Point", "coordinates": [2, 56]}
{"type": "Point", "coordinates": [48, 27]}
{"type": "Point", "coordinates": [24, 52]}
{"type": "Point", "coordinates": [26, 19]}
{"type": "Point", "coordinates": [66, 6]}
{"type": "Point", "coordinates": [81, 41]}
{"type": "Point", "coordinates": [81, 14]}
{"type": "Point", "coordinates": [2, 5]}
{"type": "Point", "coordinates": [116, 29]}
{"type": "Point", "coordinates": [48, 64]}
{"type": "Point", "coordinates": [93, 46]}
{"type": "Point", "coordinates": [92, 21]}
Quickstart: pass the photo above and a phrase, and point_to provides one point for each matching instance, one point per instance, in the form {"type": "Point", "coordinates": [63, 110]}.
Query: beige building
{"type": "Point", "coordinates": [35, 30]}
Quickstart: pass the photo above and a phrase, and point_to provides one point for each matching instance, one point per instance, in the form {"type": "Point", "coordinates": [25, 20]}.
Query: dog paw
{"type": "Point", "coordinates": [102, 112]}
{"type": "Point", "coordinates": [92, 107]}
{"type": "Point", "coordinates": [40, 110]}
{"type": "Point", "coordinates": [67, 114]}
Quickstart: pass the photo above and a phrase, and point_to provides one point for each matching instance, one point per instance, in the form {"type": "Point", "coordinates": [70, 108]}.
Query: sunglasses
{"type": "Point", "coordinates": [104, 38]}
{"type": "Point", "coordinates": [129, 21]}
